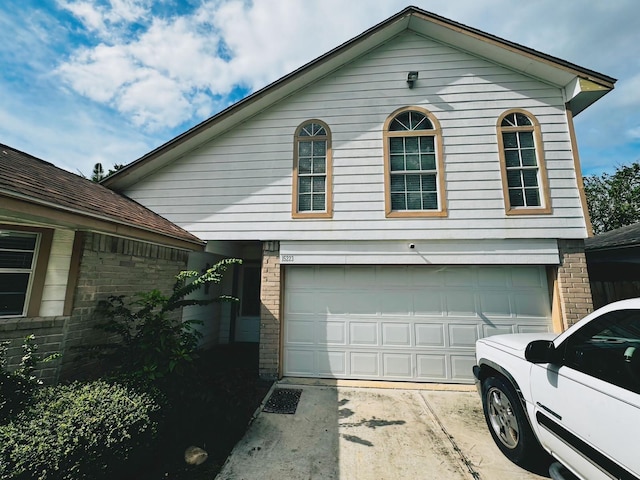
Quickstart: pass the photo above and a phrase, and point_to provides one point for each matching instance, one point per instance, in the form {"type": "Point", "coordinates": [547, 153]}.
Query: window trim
{"type": "Point", "coordinates": [37, 278]}
{"type": "Point", "coordinates": [328, 211]}
{"type": "Point", "coordinates": [440, 183]}
{"type": "Point", "coordinates": [543, 185]}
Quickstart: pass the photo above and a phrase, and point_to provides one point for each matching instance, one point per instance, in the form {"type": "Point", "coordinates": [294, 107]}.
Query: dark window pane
{"type": "Point", "coordinates": [413, 162]}
{"type": "Point", "coordinates": [530, 178]}
{"type": "Point", "coordinates": [398, 201]}
{"type": "Point", "coordinates": [13, 293]}
{"type": "Point", "coordinates": [318, 184]}
{"type": "Point", "coordinates": [413, 183]}
{"type": "Point", "coordinates": [509, 120]}
{"type": "Point", "coordinates": [16, 259]}
{"type": "Point", "coordinates": [304, 202]}
{"type": "Point", "coordinates": [396, 145]}
{"type": "Point", "coordinates": [400, 123]}
{"type": "Point", "coordinates": [526, 139]}
{"type": "Point", "coordinates": [516, 198]}
{"type": "Point", "coordinates": [513, 178]}
{"type": "Point", "coordinates": [414, 201]}
{"type": "Point", "coordinates": [510, 140]}
{"type": "Point", "coordinates": [319, 165]}
{"type": "Point", "coordinates": [428, 161]}
{"type": "Point", "coordinates": [397, 163]}
{"type": "Point", "coordinates": [529, 157]}
{"type": "Point", "coordinates": [522, 120]}
{"type": "Point", "coordinates": [532, 197]}
{"type": "Point", "coordinates": [318, 129]}
{"type": "Point", "coordinates": [411, 144]}
{"type": "Point", "coordinates": [319, 149]}
{"type": "Point", "coordinates": [304, 184]}
{"type": "Point", "coordinates": [428, 183]}
{"type": "Point", "coordinates": [512, 158]}
{"type": "Point", "coordinates": [318, 202]}
{"type": "Point", "coordinates": [306, 131]}
{"type": "Point", "coordinates": [18, 241]}
{"type": "Point", "coordinates": [304, 149]}
{"type": "Point", "coordinates": [397, 183]}
{"type": "Point", "coordinates": [304, 165]}
{"type": "Point", "coordinates": [430, 201]}
{"type": "Point", "coordinates": [427, 145]}
{"type": "Point", "coordinates": [419, 121]}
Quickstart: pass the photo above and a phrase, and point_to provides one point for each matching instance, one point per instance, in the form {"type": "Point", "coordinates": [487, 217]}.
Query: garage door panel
{"type": "Point", "coordinates": [363, 333]}
{"type": "Point", "coordinates": [430, 335]}
{"type": "Point", "coordinates": [404, 323]}
{"type": "Point", "coordinates": [463, 335]}
{"type": "Point", "coordinates": [397, 365]}
{"type": "Point", "coordinates": [365, 364]}
{"type": "Point", "coordinates": [396, 334]}
{"type": "Point", "coordinates": [332, 363]}
{"type": "Point", "coordinates": [300, 332]}
{"type": "Point", "coordinates": [431, 367]}
{"type": "Point", "coordinates": [332, 333]}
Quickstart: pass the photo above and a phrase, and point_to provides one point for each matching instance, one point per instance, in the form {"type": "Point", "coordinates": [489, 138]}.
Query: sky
{"type": "Point", "coordinates": [106, 81]}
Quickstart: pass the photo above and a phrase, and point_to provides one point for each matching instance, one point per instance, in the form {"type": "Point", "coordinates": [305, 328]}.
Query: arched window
{"type": "Point", "coordinates": [312, 186]}
{"type": "Point", "coordinates": [524, 177]}
{"type": "Point", "coordinates": [414, 184]}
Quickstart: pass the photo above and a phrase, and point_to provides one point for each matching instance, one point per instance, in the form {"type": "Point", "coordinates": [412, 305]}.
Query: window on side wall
{"type": "Point", "coordinates": [414, 185]}
{"type": "Point", "coordinates": [312, 171]}
{"type": "Point", "coordinates": [524, 177]}
{"type": "Point", "coordinates": [18, 256]}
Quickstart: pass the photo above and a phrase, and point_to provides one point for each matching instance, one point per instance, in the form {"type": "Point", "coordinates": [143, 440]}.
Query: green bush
{"type": "Point", "coordinates": [78, 431]}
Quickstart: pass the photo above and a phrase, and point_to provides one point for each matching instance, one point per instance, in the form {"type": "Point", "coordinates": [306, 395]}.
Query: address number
{"type": "Point", "coordinates": [286, 258]}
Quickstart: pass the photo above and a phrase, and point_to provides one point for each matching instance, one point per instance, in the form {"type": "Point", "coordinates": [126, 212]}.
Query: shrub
{"type": "Point", "coordinates": [17, 387]}
{"type": "Point", "coordinates": [151, 343]}
{"type": "Point", "coordinates": [78, 431]}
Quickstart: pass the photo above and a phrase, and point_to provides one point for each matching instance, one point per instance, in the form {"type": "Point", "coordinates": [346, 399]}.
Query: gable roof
{"type": "Point", "coordinates": [582, 86]}
{"type": "Point", "coordinates": [32, 189]}
{"type": "Point", "coordinates": [622, 237]}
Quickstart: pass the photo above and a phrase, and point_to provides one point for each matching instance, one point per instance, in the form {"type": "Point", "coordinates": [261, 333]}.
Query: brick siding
{"type": "Point", "coordinates": [573, 282]}
{"type": "Point", "coordinates": [270, 296]}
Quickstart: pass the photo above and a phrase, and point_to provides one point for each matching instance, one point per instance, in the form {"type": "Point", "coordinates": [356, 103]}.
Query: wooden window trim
{"type": "Point", "coordinates": [437, 134]}
{"type": "Point", "coordinates": [34, 295]}
{"type": "Point", "coordinates": [542, 169]}
{"type": "Point", "coordinates": [328, 212]}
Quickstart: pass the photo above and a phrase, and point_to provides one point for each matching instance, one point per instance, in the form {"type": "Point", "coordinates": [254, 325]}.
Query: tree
{"type": "Point", "coordinates": [614, 200]}
{"type": "Point", "coordinates": [98, 171]}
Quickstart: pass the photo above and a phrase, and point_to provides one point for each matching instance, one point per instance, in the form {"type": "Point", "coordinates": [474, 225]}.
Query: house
{"type": "Point", "coordinates": [613, 260]}
{"type": "Point", "coordinates": [404, 194]}
{"type": "Point", "coordinates": [65, 243]}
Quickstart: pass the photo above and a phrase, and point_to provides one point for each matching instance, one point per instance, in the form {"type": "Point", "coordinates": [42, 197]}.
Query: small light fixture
{"type": "Point", "coordinates": [411, 78]}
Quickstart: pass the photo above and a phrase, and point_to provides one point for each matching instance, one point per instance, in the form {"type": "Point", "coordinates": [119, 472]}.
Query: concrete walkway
{"type": "Point", "coordinates": [346, 432]}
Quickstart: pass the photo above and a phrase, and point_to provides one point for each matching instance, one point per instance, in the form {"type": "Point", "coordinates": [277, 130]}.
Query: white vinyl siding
{"type": "Point", "coordinates": [55, 284]}
{"type": "Point", "coordinates": [238, 186]}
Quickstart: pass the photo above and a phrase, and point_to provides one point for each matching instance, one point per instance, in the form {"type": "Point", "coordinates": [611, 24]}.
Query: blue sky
{"type": "Point", "coordinates": [86, 81]}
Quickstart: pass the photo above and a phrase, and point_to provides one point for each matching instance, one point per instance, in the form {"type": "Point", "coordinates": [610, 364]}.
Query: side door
{"type": "Point", "coordinates": [586, 408]}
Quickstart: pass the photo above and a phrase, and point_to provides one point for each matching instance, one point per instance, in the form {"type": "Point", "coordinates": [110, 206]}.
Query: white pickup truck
{"type": "Point", "coordinates": [576, 395]}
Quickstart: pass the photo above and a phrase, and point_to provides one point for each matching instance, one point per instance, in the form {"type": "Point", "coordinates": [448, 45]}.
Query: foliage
{"type": "Point", "coordinates": [151, 343]}
{"type": "Point", "coordinates": [614, 200]}
{"type": "Point", "coordinates": [18, 386]}
{"type": "Point", "coordinates": [77, 431]}
{"type": "Point", "coordinates": [98, 171]}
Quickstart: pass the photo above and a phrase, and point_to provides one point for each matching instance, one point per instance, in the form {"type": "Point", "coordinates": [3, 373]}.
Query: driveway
{"type": "Point", "coordinates": [349, 432]}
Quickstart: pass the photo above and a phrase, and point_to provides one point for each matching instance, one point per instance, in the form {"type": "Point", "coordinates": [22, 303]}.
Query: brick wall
{"type": "Point", "coordinates": [573, 282]}
{"type": "Point", "coordinates": [270, 311]}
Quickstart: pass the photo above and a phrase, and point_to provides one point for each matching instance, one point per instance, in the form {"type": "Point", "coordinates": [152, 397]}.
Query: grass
{"type": "Point", "coordinates": [212, 412]}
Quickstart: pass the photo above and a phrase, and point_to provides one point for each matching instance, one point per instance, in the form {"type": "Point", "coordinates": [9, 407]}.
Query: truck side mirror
{"type": "Point", "coordinates": [541, 351]}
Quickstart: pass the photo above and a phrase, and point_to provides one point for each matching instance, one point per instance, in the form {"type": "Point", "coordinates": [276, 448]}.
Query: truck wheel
{"type": "Point", "coordinates": [508, 423]}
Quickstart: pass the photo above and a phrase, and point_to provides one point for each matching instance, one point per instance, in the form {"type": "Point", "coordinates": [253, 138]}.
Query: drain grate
{"type": "Point", "coordinates": [283, 400]}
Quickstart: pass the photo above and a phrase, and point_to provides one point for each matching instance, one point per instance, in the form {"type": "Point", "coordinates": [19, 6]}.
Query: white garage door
{"type": "Point", "coordinates": [412, 323]}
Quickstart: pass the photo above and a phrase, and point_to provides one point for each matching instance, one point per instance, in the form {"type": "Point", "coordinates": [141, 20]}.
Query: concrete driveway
{"type": "Point", "coordinates": [344, 431]}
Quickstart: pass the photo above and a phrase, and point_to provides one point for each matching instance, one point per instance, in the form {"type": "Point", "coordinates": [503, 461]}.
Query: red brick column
{"type": "Point", "coordinates": [270, 311]}
{"type": "Point", "coordinates": [573, 282]}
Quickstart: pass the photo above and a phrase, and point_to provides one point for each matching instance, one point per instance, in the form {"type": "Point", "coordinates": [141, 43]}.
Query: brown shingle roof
{"type": "Point", "coordinates": [26, 177]}
{"type": "Point", "coordinates": [620, 237]}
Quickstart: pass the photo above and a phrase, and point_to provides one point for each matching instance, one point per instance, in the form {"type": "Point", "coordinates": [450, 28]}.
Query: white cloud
{"type": "Point", "coordinates": [106, 19]}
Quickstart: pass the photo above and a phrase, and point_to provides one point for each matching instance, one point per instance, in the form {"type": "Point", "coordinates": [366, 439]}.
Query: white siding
{"type": "Point", "coordinates": [57, 277]}
{"type": "Point", "coordinates": [238, 186]}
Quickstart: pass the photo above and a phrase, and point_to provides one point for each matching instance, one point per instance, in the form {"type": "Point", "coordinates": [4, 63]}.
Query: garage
{"type": "Point", "coordinates": [404, 323]}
